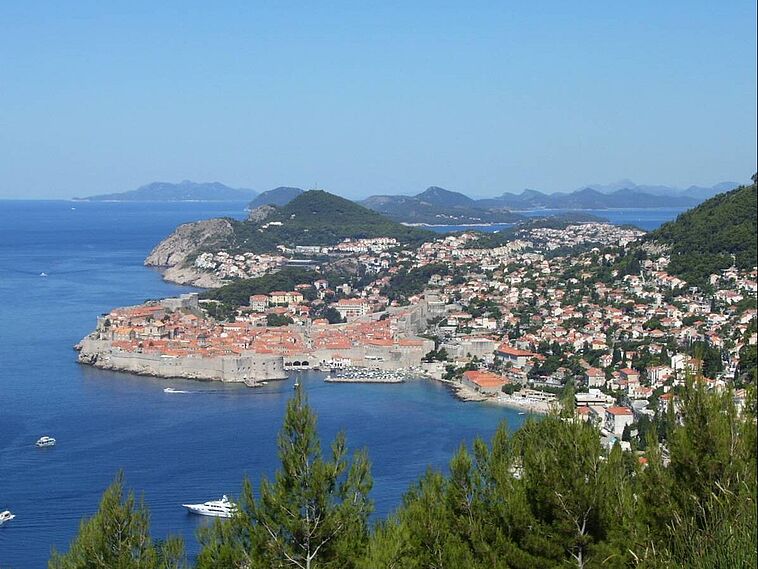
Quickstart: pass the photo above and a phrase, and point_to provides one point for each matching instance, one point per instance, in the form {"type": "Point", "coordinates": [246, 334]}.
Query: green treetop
{"type": "Point", "coordinates": [313, 515]}
{"type": "Point", "coordinates": [118, 537]}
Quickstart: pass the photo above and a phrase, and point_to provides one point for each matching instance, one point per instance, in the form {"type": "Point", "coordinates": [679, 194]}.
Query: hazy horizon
{"type": "Point", "coordinates": [410, 193]}
{"type": "Point", "coordinates": [360, 100]}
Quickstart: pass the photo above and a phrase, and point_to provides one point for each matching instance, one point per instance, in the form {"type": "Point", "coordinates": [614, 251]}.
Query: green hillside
{"type": "Point", "coordinates": [317, 217]}
{"type": "Point", "coordinates": [713, 235]}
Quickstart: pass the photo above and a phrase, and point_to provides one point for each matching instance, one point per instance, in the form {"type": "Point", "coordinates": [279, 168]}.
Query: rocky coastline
{"type": "Point", "coordinates": [172, 255]}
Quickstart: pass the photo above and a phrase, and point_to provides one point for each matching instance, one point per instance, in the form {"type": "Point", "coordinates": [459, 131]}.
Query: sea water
{"type": "Point", "coordinates": [173, 448]}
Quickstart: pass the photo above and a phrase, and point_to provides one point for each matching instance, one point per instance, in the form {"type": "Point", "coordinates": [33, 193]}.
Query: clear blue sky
{"type": "Point", "coordinates": [375, 97]}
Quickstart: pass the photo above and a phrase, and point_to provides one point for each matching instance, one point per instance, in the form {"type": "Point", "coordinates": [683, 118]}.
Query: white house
{"type": "Point", "coordinates": [616, 418]}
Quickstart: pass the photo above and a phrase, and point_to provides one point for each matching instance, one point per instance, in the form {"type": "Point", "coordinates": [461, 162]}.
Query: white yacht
{"type": "Point", "coordinates": [6, 516]}
{"type": "Point", "coordinates": [223, 508]}
{"type": "Point", "coordinates": [45, 442]}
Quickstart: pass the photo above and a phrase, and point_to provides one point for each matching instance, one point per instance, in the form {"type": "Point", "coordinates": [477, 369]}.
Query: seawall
{"type": "Point", "coordinates": [246, 368]}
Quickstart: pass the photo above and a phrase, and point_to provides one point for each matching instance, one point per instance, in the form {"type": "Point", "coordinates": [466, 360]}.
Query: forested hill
{"type": "Point", "coordinates": [713, 235]}
{"type": "Point", "coordinates": [317, 217]}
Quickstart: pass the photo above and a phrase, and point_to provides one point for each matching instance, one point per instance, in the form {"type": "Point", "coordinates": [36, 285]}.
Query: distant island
{"type": "Point", "coordinates": [439, 206]}
{"type": "Point", "coordinates": [184, 191]}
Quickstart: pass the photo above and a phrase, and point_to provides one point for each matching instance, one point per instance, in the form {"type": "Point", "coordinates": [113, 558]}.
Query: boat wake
{"type": "Point", "coordinates": [172, 390]}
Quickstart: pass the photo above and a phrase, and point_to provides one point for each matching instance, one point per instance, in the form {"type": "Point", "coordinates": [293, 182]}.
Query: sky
{"type": "Point", "coordinates": [363, 98]}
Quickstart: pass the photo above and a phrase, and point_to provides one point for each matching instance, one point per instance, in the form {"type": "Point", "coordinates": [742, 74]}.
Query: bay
{"type": "Point", "coordinates": [644, 218]}
{"type": "Point", "coordinates": [173, 448]}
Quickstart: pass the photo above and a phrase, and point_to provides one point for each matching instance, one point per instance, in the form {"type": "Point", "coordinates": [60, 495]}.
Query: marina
{"type": "Point", "coordinates": [363, 375]}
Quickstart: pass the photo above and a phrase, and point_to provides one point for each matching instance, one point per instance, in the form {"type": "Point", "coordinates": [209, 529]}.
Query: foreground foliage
{"type": "Point", "coordinates": [314, 514]}
{"type": "Point", "coordinates": [546, 496]}
{"type": "Point", "coordinates": [118, 537]}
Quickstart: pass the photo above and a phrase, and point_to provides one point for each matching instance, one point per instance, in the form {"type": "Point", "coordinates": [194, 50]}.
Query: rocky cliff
{"type": "Point", "coordinates": [173, 254]}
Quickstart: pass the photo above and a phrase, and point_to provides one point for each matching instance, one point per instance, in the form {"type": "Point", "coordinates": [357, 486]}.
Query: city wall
{"type": "Point", "coordinates": [247, 368]}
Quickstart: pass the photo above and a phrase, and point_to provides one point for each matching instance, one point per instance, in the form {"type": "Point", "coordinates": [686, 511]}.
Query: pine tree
{"type": "Point", "coordinates": [118, 537]}
{"type": "Point", "coordinates": [314, 514]}
{"type": "Point", "coordinates": [713, 482]}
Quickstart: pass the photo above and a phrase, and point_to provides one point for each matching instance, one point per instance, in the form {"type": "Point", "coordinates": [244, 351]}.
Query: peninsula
{"type": "Point", "coordinates": [177, 337]}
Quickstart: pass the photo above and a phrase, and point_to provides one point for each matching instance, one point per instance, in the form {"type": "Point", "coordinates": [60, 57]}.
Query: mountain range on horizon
{"type": "Point", "coordinates": [188, 190]}
{"type": "Point", "coordinates": [698, 192]}
{"type": "Point", "coordinates": [439, 206]}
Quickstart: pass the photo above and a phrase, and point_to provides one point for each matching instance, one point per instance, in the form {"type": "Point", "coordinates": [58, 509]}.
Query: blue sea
{"type": "Point", "coordinates": [644, 218]}
{"type": "Point", "coordinates": [173, 448]}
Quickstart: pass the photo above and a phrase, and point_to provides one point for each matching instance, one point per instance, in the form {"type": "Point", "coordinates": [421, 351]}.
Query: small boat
{"type": "Point", "coordinates": [45, 442]}
{"type": "Point", "coordinates": [172, 390]}
{"type": "Point", "coordinates": [43, 274]}
{"type": "Point", "coordinates": [6, 516]}
{"type": "Point", "coordinates": [223, 508]}
{"type": "Point", "coordinates": [521, 413]}
{"type": "Point", "coordinates": [297, 384]}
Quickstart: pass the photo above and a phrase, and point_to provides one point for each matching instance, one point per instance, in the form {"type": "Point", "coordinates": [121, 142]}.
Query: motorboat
{"type": "Point", "coordinates": [43, 274]}
{"type": "Point", "coordinates": [223, 508]}
{"type": "Point", "coordinates": [6, 516]}
{"type": "Point", "coordinates": [172, 390]}
{"type": "Point", "coordinates": [45, 442]}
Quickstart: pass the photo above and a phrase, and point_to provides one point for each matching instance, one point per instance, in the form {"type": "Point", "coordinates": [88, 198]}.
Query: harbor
{"type": "Point", "coordinates": [364, 375]}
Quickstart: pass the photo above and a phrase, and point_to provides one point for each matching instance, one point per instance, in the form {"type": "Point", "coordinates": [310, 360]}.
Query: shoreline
{"type": "Point", "coordinates": [466, 395]}
{"type": "Point", "coordinates": [463, 393]}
